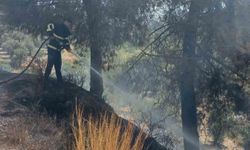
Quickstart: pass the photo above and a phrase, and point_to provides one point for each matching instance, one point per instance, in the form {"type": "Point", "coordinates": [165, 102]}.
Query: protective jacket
{"type": "Point", "coordinates": [59, 34]}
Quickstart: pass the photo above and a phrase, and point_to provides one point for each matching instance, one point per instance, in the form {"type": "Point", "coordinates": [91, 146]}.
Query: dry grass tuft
{"type": "Point", "coordinates": [105, 133]}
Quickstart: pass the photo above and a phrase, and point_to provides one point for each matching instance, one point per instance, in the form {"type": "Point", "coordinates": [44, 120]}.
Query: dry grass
{"type": "Point", "coordinates": [106, 133]}
{"type": "Point", "coordinates": [34, 132]}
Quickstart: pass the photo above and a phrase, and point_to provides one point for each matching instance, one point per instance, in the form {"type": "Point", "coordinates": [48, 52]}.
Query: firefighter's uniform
{"type": "Point", "coordinates": [59, 34]}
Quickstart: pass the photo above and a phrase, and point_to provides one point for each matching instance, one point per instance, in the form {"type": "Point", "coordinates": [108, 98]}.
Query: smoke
{"type": "Point", "coordinates": [141, 110]}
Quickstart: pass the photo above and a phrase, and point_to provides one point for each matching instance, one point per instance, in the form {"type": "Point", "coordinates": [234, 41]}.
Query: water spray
{"type": "Point", "coordinates": [170, 123]}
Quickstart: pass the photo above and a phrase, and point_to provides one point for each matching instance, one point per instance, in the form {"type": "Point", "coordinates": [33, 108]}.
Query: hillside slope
{"type": "Point", "coordinates": [20, 96]}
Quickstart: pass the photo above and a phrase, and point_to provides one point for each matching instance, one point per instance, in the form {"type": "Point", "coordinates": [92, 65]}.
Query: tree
{"type": "Point", "coordinates": [188, 102]}
{"type": "Point", "coordinates": [94, 18]}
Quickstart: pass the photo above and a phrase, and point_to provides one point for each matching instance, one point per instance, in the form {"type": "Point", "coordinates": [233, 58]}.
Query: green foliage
{"type": "Point", "coordinates": [220, 124]}
{"type": "Point", "coordinates": [19, 45]}
{"type": "Point", "coordinates": [245, 132]}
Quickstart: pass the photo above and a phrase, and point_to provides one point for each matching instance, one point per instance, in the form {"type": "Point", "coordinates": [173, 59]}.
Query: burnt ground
{"type": "Point", "coordinates": [19, 97]}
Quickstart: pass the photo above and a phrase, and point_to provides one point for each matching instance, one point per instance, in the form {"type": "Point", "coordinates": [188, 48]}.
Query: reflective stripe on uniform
{"type": "Point", "coordinates": [52, 47]}
{"type": "Point", "coordinates": [59, 37]}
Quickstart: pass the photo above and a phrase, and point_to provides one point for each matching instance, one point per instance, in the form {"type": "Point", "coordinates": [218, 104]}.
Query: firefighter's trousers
{"type": "Point", "coordinates": [54, 59]}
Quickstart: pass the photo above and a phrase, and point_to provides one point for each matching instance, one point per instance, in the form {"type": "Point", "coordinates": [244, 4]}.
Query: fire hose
{"type": "Point", "coordinates": [27, 67]}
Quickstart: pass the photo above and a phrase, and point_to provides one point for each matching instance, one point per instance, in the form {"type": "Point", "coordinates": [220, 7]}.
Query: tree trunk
{"type": "Point", "coordinates": [94, 27]}
{"type": "Point", "coordinates": [188, 102]}
{"type": "Point", "coordinates": [231, 26]}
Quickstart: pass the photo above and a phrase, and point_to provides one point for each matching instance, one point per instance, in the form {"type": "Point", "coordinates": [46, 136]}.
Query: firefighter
{"type": "Point", "coordinates": [59, 34]}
